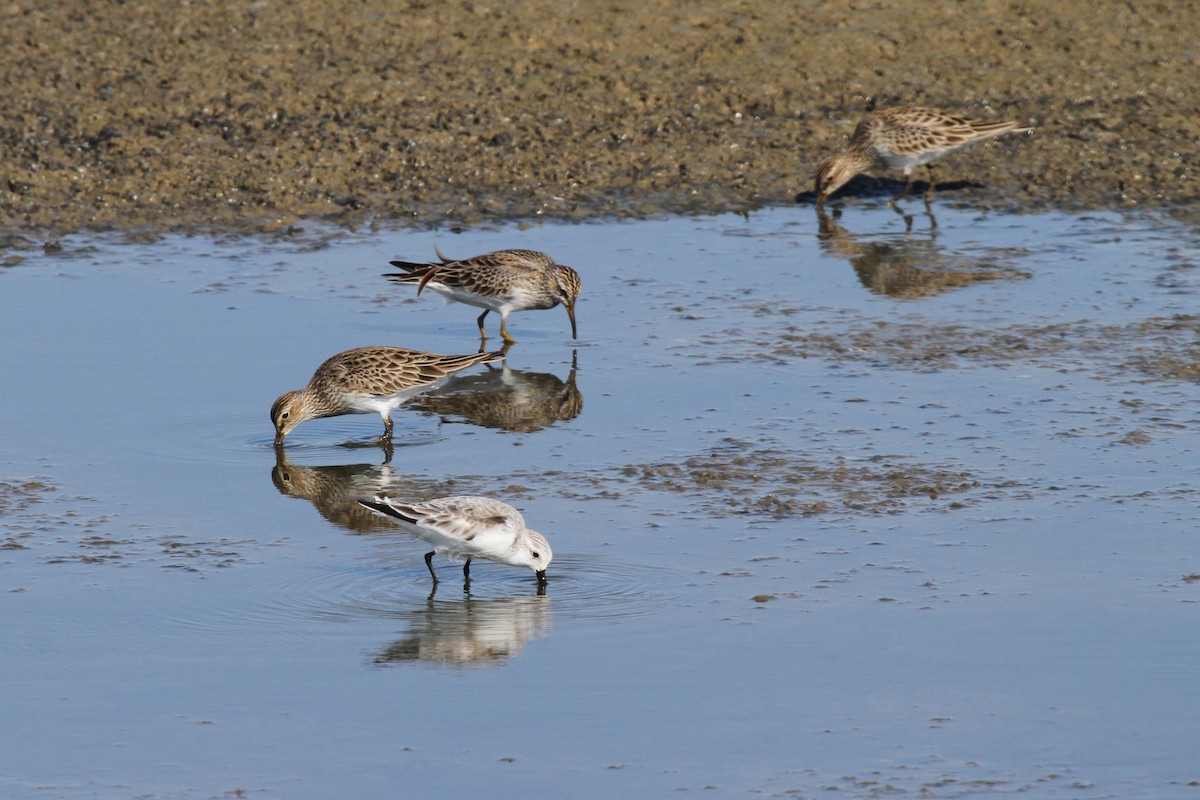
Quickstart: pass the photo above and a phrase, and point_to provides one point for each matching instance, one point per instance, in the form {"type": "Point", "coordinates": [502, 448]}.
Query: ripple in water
{"type": "Point", "coordinates": [225, 440]}
{"type": "Point", "coordinates": [580, 587]}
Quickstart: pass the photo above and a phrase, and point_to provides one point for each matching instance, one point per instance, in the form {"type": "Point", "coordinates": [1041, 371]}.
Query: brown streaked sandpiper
{"type": "Point", "coordinates": [504, 281]}
{"type": "Point", "coordinates": [365, 380]}
{"type": "Point", "coordinates": [903, 138]}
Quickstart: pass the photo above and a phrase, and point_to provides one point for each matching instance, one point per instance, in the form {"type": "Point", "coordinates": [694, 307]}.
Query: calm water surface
{"type": "Point", "coordinates": [838, 510]}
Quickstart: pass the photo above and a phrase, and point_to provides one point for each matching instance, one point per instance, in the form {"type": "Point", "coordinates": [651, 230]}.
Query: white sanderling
{"type": "Point", "coordinates": [470, 527]}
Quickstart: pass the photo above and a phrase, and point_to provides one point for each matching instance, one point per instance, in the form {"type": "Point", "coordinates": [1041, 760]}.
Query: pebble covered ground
{"type": "Point", "coordinates": [161, 115]}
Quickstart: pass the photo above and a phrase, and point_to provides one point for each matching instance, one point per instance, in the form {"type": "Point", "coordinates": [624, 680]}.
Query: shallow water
{"type": "Point", "coordinates": [839, 509]}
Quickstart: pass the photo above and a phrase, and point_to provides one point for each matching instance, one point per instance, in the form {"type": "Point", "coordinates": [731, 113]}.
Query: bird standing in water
{"type": "Point", "coordinates": [365, 380]}
{"type": "Point", "coordinates": [504, 281]}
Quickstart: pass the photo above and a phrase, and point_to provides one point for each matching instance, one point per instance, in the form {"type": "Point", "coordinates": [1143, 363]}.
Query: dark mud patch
{"type": "Point", "coordinates": [767, 482]}
{"type": "Point", "coordinates": [37, 517]}
{"type": "Point", "coordinates": [1156, 348]}
{"type": "Point", "coordinates": [761, 479]}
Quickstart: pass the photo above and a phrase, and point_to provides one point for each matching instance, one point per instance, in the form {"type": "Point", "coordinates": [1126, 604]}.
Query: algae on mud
{"type": "Point", "coordinates": [156, 115]}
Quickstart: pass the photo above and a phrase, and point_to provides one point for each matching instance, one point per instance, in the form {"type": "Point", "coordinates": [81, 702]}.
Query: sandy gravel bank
{"type": "Point", "coordinates": [219, 115]}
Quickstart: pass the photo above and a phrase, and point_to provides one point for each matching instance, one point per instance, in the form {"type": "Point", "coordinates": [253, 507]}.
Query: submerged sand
{"type": "Point", "coordinates": [206, 116]}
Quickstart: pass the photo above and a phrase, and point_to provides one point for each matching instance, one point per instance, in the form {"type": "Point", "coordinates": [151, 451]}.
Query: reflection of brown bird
{"type": "Point", "coordinates": [365, 380]}
{"type": "Point", "coordinates": [906, 267]}
{"type": "Point", "coordinates": [504, 282]}
{"type": "Point", "coordinates": [505, 398]}
{"type": "Point", "coordinates": [903, 138]}
{"type": "Point", "coordinates": [331, 490]}
{"type": "Point", "coordinates": [471, 632]}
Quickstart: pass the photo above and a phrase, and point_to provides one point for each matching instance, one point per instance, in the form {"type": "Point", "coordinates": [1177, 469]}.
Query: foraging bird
{"type": "Point", "coordinates": [504, 281]}
{"type": "Point", "coordinates": [368, 379]}
{"type": "Point", "coordinates": [903, 138]}
{"type": "Point", "coordinates": [470, 527]}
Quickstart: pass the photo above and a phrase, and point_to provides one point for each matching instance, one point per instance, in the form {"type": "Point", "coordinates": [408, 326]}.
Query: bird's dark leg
{"type": "Point", "coordinates": [387, 429]}
{"type": "Point", "coordinates": [429, 563]}
{"type": "Point", "coordinates": [903, 191]}
{"type": "Point", "coordinates": [932, 183]}
{"type": "Point", "coordinates": [479, 322]}
{"type": "Point", "coordinates": [467, 569]}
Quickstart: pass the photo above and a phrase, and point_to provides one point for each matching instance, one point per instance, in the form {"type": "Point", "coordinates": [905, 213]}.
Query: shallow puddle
{"type": "Point", "coordinates": [847, 507]}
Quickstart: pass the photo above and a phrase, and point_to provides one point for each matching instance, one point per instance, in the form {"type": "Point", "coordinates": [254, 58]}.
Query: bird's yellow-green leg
{"type": "Point", "coordinates": [504, 331]}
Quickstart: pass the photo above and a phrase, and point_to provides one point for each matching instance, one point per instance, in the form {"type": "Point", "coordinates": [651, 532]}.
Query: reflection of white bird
{"type": "Point", "coordinates": [471, 632]}
{"type": "Point", "coordinates": [470, 527]}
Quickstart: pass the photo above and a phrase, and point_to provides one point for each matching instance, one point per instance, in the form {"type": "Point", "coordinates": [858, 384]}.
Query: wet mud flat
{"type": "Point", "coordinates": [160, 116]}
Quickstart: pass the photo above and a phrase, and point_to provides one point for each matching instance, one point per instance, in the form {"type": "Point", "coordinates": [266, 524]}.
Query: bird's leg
{"type": "Point", "coordinates": [387, 429]}
{"type": "Point", "coordinates": [903, 191]}
{"type": "Point", "coordinates": [932, 183]}
{"type": "Point", "coordinates": [908, 221]}
{"type": "Point", "coordinates": [429, 563]}
{"type": "Point", "coordinates": [504, 331]}
{"type": "Point", "coordinates": [479, 322]}
{"type": "Point", "coordinates": [467, 569]}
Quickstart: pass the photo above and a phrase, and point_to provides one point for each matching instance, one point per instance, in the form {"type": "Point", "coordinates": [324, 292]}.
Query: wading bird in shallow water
{"type": "Point", "coordinates": [365, 380]}
{"type": "Point", "coordinates": [903, 138]}
{"type": "Point", "coordinates": [470, 527]}
{"type": "Point", "coordinates": [504, 281]}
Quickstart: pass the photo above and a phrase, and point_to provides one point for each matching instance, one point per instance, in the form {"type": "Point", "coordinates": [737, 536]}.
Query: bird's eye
{"type": "Point", "coordinates": [537, 555]}
{"type": "Point", "coordinates": [285, 415]}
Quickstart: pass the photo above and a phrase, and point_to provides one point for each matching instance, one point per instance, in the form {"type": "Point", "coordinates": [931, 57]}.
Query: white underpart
{"type": "Point", "coordinates": [496, 543]}
{"type": "Point", "coordinates": [502, 305]}
{"type": "Point", "coordinates": [384, 406]}
{"type": "Point", "coordinates": [908, 163]}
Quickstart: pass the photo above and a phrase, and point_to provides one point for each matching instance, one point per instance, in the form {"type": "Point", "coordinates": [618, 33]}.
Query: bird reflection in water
{"type": "Point", "coordinates": [908, 266]}
{"type": "Point", "coordinates": [505, 398]}
{"type": "Point", "coordinates": [332, 489]}
{"type": "Point", "coordinates": [470, 632]}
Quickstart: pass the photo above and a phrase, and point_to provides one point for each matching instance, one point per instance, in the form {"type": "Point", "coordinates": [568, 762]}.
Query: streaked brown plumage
{"type": "Point", "coordinates": [504, 281]}
{"type": "Point", "coordinates": [903, 138]}
{"type": "Point", "coordinates": [367, 379]}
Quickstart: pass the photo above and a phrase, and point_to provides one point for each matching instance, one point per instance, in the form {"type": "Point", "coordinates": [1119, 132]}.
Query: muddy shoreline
{"type": "Point", "coordinates": [161, 116]}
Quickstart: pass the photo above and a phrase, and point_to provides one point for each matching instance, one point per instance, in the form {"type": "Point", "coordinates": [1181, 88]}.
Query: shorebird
{"type": "Point", "coordinates": [368, 379]}
{"type": "Point", "coordinates": [903, 138]}
{"type": "Point", "coordinates": [470, 527]}
{"type": "Point", "coordinates": [504, 281]}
